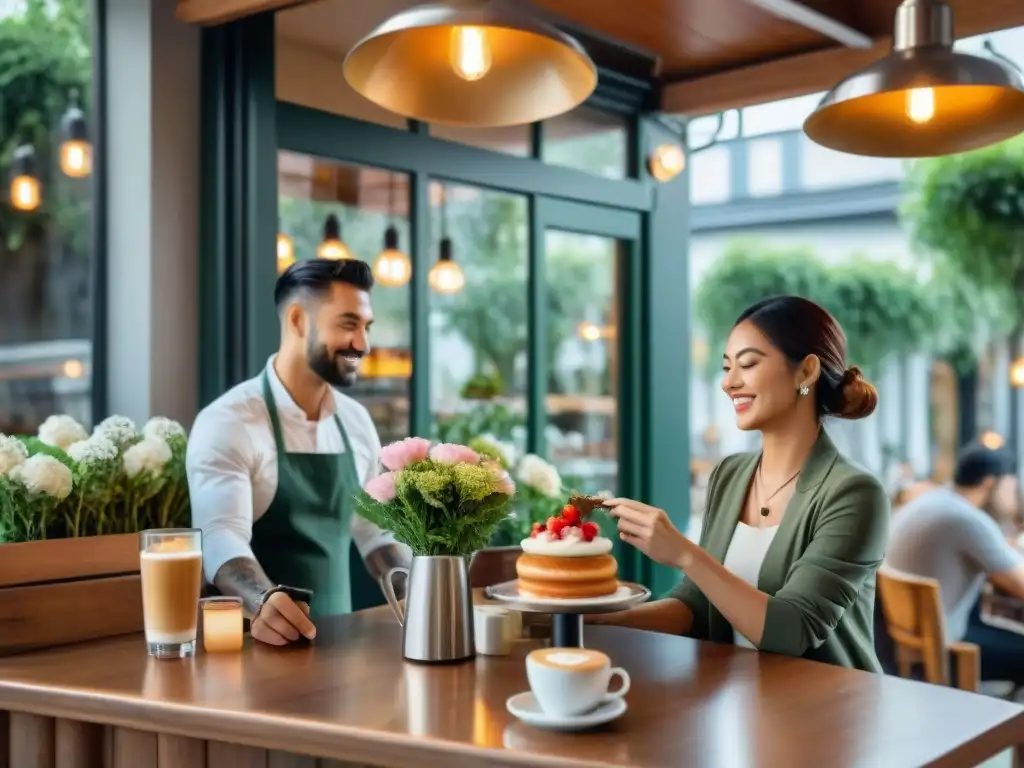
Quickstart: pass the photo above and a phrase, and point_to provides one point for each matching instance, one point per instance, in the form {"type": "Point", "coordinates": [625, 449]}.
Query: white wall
{"type": "Point", "coordinates": [152, 120]}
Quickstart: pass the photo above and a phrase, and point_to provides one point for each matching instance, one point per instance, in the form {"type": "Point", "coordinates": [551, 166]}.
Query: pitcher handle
{"type": "Point", "coordinates": [387, 585]}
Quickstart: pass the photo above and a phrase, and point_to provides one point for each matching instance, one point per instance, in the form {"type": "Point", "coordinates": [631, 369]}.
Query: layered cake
{"type": "Point", "coordinates": [567, 558]}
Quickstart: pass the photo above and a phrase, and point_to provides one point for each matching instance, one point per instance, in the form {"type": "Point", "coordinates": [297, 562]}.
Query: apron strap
{"type": "Point", "coordinates": [348, 457]}
{"type": "Point", "coordinates": [268, 397]}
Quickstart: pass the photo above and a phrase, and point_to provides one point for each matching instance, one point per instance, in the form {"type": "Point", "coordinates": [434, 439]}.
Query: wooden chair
{"type": "Point", "coordinates": [914, 619]}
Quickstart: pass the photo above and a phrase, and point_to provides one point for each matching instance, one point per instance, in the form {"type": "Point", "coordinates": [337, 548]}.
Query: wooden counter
{"type": "Point", "coordinates": [350, 698]}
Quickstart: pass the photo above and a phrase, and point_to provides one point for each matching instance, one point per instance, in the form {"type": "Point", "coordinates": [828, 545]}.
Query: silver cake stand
{"type": "Point", "coordinates": [567, 615]}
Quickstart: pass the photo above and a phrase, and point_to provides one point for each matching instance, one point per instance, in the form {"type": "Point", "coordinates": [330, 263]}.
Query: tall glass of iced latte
{"type": "Point", "coordinates": [171, 561]}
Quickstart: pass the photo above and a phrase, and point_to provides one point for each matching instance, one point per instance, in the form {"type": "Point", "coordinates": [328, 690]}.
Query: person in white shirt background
{"type": "Point", "coordinates": [275, 464]}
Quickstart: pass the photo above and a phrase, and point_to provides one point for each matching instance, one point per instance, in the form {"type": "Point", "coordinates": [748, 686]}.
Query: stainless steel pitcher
{"type": "Point", "coordinates": [437, 622]}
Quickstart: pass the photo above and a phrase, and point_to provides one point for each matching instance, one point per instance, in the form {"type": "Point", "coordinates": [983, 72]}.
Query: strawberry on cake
{"type": "Point", "coordinates": [567, 559]}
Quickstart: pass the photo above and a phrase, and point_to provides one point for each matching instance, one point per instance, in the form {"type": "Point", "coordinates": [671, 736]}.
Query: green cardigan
{"type": "Point", "coordinates": [819, 572]}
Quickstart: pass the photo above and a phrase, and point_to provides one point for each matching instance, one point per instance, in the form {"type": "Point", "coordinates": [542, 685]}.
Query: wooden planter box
{"type": "Point", "coordinates": [68, 590]}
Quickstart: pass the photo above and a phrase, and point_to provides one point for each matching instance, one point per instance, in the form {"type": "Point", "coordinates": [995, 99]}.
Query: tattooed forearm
{"type": "Point", "coordinates": [242, 577]}
{"type": "Point", "coordinates": [383, 559]}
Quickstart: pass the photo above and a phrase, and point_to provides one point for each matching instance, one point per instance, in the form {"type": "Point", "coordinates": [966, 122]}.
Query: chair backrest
{"type": "Point", "coordinates": [493, 566]}
{"type": "Point", "coordinates": [912, 606]}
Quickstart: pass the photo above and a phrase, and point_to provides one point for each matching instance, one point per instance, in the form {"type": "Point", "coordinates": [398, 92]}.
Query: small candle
{"type": "Point", "coordinates": [222, 624]}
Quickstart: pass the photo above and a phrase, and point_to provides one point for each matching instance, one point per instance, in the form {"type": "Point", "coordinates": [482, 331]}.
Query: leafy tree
{"type": "Point", "coordinates": [44, 56]}
{"type": "Point", "coordinates": [883, 308]}
{"type": "Point", "coordinates": [966, 212]}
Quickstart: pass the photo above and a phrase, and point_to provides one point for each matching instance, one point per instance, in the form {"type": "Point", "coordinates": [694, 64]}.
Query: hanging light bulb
{"type": "Point", "coordinates": [75, 150]}
{"type": "Point", "coordinates": [285, 252]}
{"type": "Point", "coordinates": [666, 162]}
{"type": "Point", "coordinates": [446, 276]}
{"type": "Point", "coordinates": [1017, 373]}
{"type": "Point", "coordinates": [921, 104]}
{"type": "Point", "coordinates": [26, 193]}
{"type": "Point", "coordinates": [392, 267]}
{"type": "Point", "coordinates": [470, 52]}
{"type": "Point", "coordinates": [332, 246]}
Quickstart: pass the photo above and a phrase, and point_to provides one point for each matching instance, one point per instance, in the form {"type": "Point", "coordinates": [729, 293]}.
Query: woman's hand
{"type": "Point", "coordinates": [649, 529]}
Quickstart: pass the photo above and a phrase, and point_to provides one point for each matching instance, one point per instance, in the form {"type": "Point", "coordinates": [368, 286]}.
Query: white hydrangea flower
{"type": "Point", "coordinates": [93, 450]}
{"type": "Point", "coordinates": [162, 428]}
{"type": "Point", "coordinates": [61, 432]}
{"type": "Point", "coordinates": [120, 430]}
{"type": "Point", "coordinates": [506, 450]}
{"type": "Point", "coordinates": [150, 455]}
{"type": "Point", "coordinates": [43, 474]}
{"type": "Point", "coordinates": [539, 475]}
{"type": "Point", "coordinates": [12, 453]}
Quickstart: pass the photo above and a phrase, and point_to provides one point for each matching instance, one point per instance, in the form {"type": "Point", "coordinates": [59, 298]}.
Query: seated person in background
{"type": "Point", "coordinates": [792, 535]}
{"type": "Point", "coordinates": [951, 535]}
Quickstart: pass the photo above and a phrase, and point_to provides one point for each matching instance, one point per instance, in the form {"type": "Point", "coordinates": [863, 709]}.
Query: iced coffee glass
{"type": "Point", "coordinates": [171, 561]}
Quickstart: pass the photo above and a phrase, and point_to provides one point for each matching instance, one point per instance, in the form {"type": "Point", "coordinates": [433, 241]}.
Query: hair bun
{"type": "Point", "coordinates": [858, 397]}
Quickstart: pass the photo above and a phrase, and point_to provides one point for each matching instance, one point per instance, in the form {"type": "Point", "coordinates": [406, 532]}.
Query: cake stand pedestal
{"type": "Point", "coordinates": [567, 615]}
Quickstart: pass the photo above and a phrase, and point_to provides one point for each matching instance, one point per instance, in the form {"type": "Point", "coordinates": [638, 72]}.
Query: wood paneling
{"type": "Point", "coordinates": [221, 11]}
{"type": "Point", "coordinates": [61, 559]}
{"type": "Point", "coordinates": [32, 741]}
{"type": "Point", "coordinates": [5, 739]}
{"type": "Point", "coordinates": [134, 749]}
{"type": "Point", "coordinates": [78, 744]}
{"type": "Point", "coordinates": [180, 752]}
{"type": "Point", "coordinates": [69, 612]}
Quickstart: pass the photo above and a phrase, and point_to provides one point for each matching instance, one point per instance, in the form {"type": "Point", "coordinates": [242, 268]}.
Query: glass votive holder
{"type": "Point", "coordinates": [222, 624]}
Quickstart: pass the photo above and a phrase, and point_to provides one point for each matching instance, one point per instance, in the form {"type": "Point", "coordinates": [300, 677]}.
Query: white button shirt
{"type": "Point", "coordinates": [232, 463]}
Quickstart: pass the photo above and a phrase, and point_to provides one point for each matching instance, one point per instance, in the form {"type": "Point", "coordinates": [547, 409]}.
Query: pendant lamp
{"type": "Point", "coordinates": [332, 246]}
{"type": "Point", "coordinates": [485, 63]}
{"type": "Point", "coordinates": [392, 268]}
{"type": "Point", "coordinates": [922, 100]}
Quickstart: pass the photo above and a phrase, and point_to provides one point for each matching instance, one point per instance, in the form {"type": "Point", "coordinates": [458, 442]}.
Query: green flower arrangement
{"type": "Point", "coordinates": [440, 500]}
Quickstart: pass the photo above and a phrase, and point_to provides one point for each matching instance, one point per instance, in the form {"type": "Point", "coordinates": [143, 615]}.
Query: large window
{"type": "Point", "coordinates": [46, 252]}
{"type": "Point", "coordinates": [583, 365]}
{"type": "Point", "coordinates": [478, 331]}
{"type": "Point", "coordinates": [588, 140]}
{"type": "Point", "coordinates": [330, 209]}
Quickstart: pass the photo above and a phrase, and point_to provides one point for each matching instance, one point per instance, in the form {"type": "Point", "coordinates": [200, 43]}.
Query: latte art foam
{"type": "Point", "coordinates": [567, 658]}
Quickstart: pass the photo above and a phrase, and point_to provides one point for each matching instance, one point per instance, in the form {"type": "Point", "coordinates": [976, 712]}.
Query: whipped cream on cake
{"type": "Point", "coordinates": [569, 543]}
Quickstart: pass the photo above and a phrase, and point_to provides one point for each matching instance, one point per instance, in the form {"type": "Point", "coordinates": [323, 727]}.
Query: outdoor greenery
{"type": "Point", "coordinates": [45, 59]}
{"type": "Point", "coordinates": [966, 213]}
{"type": "Point", "coordinates": [884, 308]}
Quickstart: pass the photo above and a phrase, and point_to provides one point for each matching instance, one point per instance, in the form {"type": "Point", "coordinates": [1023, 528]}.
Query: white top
{"type": "Point", "coordinates": [744, 557]}
{"type": "Point", "coordinates": [232, 463]}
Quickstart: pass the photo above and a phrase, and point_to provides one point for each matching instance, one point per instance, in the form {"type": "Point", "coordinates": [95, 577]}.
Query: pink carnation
{"type": "Point", "coordinates": [382, 487]}
{"type": "Point", "coordinates": [401, 454]}
{"type": "Point", "coordinates": [453, 453]}
{"type": "Point", "coordinates": [505, 484]}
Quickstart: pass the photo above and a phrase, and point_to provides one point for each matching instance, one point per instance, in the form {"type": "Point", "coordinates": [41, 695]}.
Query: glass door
{"type": "Point", "coordinates": [585, 365]}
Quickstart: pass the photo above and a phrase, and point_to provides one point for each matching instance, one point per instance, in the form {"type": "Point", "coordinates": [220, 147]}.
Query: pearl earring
{"type": "Point", "coordinates": [804, 389]}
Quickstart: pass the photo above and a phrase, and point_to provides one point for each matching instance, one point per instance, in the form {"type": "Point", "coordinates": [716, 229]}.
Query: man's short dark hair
{"type": "Point", "coordinates": [315, 276]}
{"type": "Point", "coordinates": [975, 462]}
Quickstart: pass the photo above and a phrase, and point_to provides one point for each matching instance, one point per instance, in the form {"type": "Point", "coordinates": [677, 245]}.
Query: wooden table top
{"type": "Point", "coordinates": [351, 696]}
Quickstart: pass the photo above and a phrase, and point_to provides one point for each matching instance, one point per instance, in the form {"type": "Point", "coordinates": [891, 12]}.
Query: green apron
{"type": "Point", "coordinates": [303, 539]}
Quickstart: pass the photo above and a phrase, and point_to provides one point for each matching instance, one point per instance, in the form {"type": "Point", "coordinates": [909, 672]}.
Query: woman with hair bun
{"type": "Point", "coordinates": [792, 535]}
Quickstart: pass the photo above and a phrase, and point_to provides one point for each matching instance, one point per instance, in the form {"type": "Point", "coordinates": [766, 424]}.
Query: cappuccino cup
{"type": "Point", "coordinates": [571, 681]}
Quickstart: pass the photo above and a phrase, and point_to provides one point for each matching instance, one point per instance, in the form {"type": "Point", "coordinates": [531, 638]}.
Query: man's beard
{"type": "Point", "coordinates": [332, 368]}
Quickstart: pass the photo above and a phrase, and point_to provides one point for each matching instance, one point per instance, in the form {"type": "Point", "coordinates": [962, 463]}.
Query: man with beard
{"type": "Point", "coordinates": [274, 464]}
{"type": "Point", "coordinates": [951, 535]}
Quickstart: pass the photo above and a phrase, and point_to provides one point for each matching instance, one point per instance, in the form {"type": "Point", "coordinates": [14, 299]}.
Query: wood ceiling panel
{"type": "Point", "coordinates": [694, 36]}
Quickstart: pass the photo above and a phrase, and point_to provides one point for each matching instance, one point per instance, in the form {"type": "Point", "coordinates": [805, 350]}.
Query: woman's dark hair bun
{"type": "Point", "coordinates": [858, 397]}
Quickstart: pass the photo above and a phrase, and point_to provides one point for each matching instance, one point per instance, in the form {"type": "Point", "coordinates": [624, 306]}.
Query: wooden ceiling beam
{"type": "Point", "coordinates": [805, 73]}
{"type": "Point", "coordinates": [210, 12]}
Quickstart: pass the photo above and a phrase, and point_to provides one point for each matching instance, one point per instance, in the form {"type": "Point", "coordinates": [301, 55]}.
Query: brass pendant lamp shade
{"type": "Point", "coordinates": [485, 63]}
{"type": "Point", "coordinates": [922, 100]}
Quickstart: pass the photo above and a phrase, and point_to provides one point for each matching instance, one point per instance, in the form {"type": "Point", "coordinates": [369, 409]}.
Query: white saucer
{"type": "Point", "coordinates": [526, 708]}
